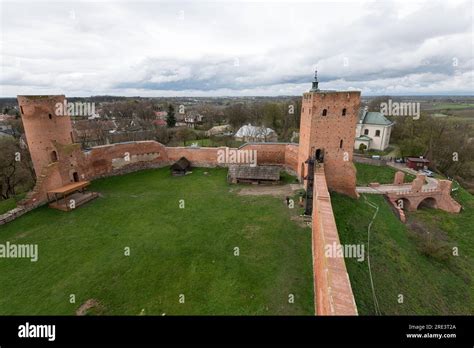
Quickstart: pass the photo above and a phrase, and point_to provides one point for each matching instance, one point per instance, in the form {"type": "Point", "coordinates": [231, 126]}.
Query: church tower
{"type": "Point", "coordinates": [327, 135]}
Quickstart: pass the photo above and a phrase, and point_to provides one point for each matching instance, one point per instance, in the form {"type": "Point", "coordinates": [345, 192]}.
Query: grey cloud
{"type": "Point", "coordinates": [96, 48]}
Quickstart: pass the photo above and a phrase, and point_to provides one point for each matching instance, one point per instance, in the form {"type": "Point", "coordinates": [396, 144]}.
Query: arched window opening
{"type": "Point", "coordinates": [325, 112]}
{"type": "Point", "coordinates": [54, 156]}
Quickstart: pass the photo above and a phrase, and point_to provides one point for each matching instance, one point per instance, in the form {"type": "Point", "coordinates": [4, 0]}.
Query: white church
{"type": "Point", "coordinates": [373, 130]}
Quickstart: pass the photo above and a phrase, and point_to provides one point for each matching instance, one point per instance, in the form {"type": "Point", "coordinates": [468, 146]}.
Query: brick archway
{"type": "Point", "coordinates": [428, 202]}
{"type": "Point", "coordinates": [404, 203]}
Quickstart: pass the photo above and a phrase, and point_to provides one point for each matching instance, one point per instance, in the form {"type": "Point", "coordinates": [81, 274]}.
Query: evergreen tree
{"type": "Point", "coordinates": [170, 119]}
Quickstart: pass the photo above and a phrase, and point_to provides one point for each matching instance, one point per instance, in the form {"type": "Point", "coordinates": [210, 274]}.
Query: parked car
{"type": "Point", "coordinates": [427, 172]}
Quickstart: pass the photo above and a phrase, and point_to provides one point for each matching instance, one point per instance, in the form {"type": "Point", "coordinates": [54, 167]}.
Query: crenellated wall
{"type": "Point", "coordinates": [122, 158]}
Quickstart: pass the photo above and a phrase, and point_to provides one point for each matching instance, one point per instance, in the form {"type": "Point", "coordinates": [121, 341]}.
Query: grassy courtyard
{"type": "Point", "coordinates": [173, 251]}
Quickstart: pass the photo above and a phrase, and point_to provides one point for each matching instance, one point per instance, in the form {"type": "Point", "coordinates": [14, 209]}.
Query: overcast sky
{"type": "Point", "coordinates": [216, 48]}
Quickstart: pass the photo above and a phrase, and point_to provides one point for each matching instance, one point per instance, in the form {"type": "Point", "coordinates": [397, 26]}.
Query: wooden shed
{"type": "Point", "coordinates": [253, 174]}
{"type": "Point", "coordinates": [180, 167]}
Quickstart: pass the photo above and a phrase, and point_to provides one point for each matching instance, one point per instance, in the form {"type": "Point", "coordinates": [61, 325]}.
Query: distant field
{"type": "Point", "coordinates": [450, 106]}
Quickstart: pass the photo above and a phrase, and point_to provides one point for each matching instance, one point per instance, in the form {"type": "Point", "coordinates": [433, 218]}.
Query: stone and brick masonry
{"type": "Point", "coordinates": [327, 132]}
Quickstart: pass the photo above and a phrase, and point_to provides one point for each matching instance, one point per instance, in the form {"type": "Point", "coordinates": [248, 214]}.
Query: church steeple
{"type": "Point", "coordinates": [315, 87]}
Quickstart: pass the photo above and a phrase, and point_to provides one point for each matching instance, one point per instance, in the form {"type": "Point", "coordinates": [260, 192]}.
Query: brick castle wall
{"type": "Point", "coordinates": [122, 158]}
{"type": "Point", "coordinates": [333, 291]}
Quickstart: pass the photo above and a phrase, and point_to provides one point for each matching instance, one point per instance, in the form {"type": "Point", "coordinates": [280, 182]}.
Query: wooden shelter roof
{"type": "Point", "coordinates": [181, 164]}
{"type": "Point", "coordinates": [255, 173]}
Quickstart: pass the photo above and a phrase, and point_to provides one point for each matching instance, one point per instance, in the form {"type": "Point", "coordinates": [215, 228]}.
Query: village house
{"type": "Point", "coordinates": [6, 131]}
{"type": "Point", "coordinates": [93, 132]}
{"type": "Point", "coordinates": [192, 118]}
{"type": "Point", "coordinates": [160, 123]}
{"type": "Point", "coordinates": [5, 128]}
{"type": "Point", "coordinates": [161, 115]}
{"type": "Point", "coordinates": [251, 133]}
{"type": "Point", "coordinates": [373, 130]}
{"type": "Point", "coordinates": [417, 163]}
{"type": "Point", "coordinates": [225, 129]}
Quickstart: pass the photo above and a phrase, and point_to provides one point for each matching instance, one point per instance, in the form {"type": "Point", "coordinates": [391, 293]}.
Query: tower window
{"type": "Point", "coordinates": [50, 116]}
{"type": "Point", "coordinates": [21, 109]}
{"type": "Point", "coordinates": [325, 112]}
{"type": "Point", "coordinates": [366, 132]}
{"type": "Point", "coordinates": [344, 112]}
{"type": "Point", "coordinates": [54, 156]}
{"type": "Point", "coordinates": [377, 133]}
{"type": "Point", "coordinates": [340, 144]}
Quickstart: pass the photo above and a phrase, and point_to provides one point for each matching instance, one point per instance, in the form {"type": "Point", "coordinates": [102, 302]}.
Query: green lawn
{"type": "Point", "coordinates": [405, 261]}
{"type": "Point", "coordinates": [7, 204]}
{"type": "Point", "coordinates": [10, 203]}
{"type": "Point", "coordinates": [174, 251]}
{"type": "Point", "coordinates": [367, 173]}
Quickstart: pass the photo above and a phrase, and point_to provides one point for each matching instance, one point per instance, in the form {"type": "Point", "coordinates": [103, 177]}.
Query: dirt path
{"type": "Point", "coordinates": [261, 190]}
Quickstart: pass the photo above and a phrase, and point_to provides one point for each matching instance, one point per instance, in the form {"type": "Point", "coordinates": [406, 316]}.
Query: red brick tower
{"type": "Point", "coordinates": [327, 132]}
{"type": "Point", "coordinates": [46, 132]}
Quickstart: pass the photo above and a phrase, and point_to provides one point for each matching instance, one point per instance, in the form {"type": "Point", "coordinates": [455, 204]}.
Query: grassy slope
{"type": "Point", "coordinates": [429, 284]}
{"type": "Point", "coordinates": [7, 204]}
{"type": "Point", "coordinates": [173, 251]}
{"type": "Point", "coordinates": [10, 203]}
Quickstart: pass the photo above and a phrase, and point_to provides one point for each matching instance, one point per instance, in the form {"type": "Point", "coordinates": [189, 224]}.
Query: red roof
{"type": "Point", "coordinates": [161, 113]}
{"type": "Point", "coordinates": [159, 122]}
